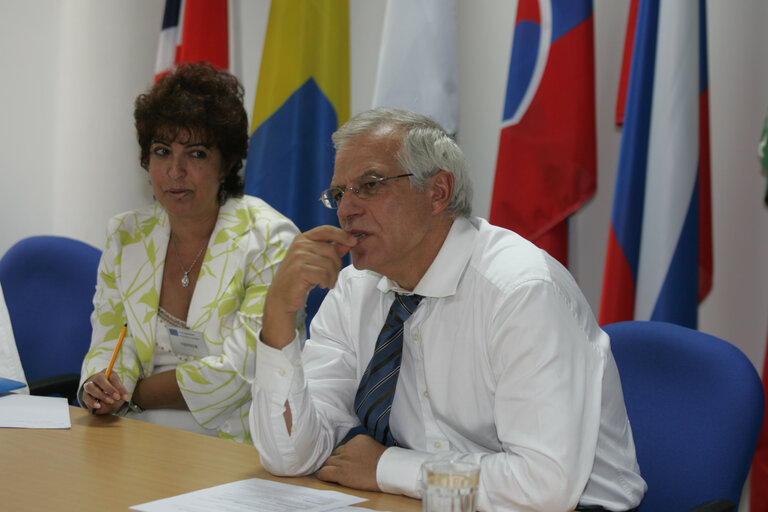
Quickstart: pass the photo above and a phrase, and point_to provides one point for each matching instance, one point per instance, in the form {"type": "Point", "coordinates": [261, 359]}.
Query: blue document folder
{"type": "Point", "coordinates": [7, 385]}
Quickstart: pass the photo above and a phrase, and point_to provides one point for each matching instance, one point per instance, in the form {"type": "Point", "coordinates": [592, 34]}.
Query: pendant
{"type": "Point", "coordinates": [185, 280]}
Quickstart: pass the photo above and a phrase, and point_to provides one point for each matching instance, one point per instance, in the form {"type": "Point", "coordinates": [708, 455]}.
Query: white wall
{"type": "Point", "coordinates": [72, 68]}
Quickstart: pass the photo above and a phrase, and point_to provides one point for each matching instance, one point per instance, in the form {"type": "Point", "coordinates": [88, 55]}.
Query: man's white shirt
{"type": "Point", "coordinates": [503, 364]}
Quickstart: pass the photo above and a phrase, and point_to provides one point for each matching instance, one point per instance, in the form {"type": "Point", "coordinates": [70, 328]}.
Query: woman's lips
{"type": "Point", "coordinates": [177, 193]}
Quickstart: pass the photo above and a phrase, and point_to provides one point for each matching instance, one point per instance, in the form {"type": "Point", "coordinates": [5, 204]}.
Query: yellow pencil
{"type": "Point", "coordinates": [117, 349]}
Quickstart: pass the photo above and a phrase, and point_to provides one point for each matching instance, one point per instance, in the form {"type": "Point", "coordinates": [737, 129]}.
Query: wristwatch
{"type": "Point", "coordinates": [134, 407]}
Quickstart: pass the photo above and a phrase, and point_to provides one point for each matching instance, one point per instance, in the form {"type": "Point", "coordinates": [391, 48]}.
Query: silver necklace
{"type": "Point", "coordinates": [185, 277]}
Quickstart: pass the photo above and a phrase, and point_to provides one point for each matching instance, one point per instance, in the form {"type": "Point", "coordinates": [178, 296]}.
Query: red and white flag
{"type": "Point", "coordinates": [546, 168]}
{"type": "Point", "coordinates": [193, 31]}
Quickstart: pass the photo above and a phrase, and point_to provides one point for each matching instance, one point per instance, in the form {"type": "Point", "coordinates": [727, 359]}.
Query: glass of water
{"type": "Point", "coordinates": [449, 486]}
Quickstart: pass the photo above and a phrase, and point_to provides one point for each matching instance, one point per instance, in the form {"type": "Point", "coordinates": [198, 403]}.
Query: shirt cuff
{"type": "Point", "coordinates": [399, 471]}
{"type": "Point", "coordinates": [278, 369]}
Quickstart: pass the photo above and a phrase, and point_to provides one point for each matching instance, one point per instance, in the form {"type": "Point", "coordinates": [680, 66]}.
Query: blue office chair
{"type": "Point", "coordinates": [48, 283]}
{"type": "Point", "coordinates": [695, 403]}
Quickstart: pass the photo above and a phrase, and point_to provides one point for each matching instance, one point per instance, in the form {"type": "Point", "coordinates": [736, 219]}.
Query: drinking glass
{"type": "Point", "coordinates": [449, 486]}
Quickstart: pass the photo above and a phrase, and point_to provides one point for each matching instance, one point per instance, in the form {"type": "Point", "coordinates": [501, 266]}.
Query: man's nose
{"type": "Point", "coordinates": [349, 205]}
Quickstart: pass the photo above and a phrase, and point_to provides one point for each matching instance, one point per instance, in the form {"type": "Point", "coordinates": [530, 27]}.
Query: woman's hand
{"type": "Point", "coordinates": [104, 396]}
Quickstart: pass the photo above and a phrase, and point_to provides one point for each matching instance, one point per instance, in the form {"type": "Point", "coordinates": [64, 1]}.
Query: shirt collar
{"type": "Point", "coordinates": [442, 277]}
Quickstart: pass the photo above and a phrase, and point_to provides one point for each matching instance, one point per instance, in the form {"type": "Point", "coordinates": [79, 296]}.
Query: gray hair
{"type": "Point", "coordinates": [425, 149]}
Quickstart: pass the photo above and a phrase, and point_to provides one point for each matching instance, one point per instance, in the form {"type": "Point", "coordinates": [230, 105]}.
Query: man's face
{"type": "Point", "coordinates": [391, 225]}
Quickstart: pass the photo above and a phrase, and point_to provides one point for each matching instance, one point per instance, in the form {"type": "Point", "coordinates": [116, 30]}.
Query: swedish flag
{"type": "Point", "coordinates": [301, 99]}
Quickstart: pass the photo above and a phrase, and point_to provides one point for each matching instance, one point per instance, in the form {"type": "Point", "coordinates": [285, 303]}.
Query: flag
{"type": "Point", "coordinates": [302, 97]}
{"type": "Point", "coordinates": [546, 166]}
{"type": "Point", "coordinates": [193, 31]}
{"type": "Point", "coordinates": [763, 154]}
{"type": "Point", "coordinates": [626, 61]}
{"type": "Point", "coordinates": [758, 493]}
{"type": "Point", "coordinates": [417, 60]}
{"type": "Point", "coordinates": [659, 256]}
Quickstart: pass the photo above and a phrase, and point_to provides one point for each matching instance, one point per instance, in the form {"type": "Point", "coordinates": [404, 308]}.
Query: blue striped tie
{"type": "Point", "coordinates": [373, 402]}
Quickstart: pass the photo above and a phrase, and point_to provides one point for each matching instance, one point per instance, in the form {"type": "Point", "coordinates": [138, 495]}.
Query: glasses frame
{"type": "Point", "coordinates": [333, 204]}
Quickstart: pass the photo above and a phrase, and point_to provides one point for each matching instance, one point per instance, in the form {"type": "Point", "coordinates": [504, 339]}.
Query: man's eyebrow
{"type": "Point", "coordinates": [370, 173]}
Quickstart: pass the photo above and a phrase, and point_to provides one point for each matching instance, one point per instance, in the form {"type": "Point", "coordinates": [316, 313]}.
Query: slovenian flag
{"type": "Point", "coordinates": [417, 61]}
{"type": "Point", "coordinates": [546, 167]}
{"type": "Point", "coordinates": [193, 31]}
{"type": "Point", "coordinates": [659, 257]}
{"type": "Point", "coordinates": [302, 97]}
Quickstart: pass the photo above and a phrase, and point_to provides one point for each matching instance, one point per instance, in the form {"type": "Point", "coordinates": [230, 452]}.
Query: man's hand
{"type": "Point", "coordinates": [354, 464]}
{"type": "Point", "coordinates": [313, 259]}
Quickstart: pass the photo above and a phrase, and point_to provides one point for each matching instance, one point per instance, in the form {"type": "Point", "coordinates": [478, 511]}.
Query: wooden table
{"type": "Point", "coordinates": [110, 463]}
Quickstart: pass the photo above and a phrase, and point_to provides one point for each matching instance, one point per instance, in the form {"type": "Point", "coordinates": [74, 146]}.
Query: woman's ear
{"type": "Point", "coordinates": [441, 189]}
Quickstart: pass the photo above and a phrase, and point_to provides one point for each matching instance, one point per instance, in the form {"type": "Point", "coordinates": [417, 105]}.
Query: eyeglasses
{"type": "Point", "coordinates": [364, 187]}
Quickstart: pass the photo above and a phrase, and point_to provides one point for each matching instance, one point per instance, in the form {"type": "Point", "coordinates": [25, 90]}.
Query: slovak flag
{"type": "Point", "coordinates": [659, 257]}
{"type": "Point", "coordinates": [546, 167]}
{"type": "Point", "coordinates": [193, 31]}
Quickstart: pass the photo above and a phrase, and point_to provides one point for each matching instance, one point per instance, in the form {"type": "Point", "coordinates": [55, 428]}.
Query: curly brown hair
{"type": "Point", "coordinates": [197, 99]}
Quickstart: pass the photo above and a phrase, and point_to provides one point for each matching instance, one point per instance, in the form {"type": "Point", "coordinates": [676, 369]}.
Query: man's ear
{"type": "Point", "coordinates": [441, 189]}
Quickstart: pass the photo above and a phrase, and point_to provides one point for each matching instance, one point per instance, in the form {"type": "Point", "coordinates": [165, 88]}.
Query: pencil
{"type": "Point", "coordinates": [117, 350]}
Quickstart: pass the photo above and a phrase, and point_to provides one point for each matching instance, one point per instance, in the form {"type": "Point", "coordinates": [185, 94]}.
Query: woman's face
{"type": "Point", "coordinates": [186, 175]}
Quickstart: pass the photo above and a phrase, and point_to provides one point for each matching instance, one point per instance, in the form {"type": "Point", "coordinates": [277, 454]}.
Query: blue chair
{"type": "Point", "coordinates": [48, 283]}
{"type": "Point", "coordinates": [695, 403]}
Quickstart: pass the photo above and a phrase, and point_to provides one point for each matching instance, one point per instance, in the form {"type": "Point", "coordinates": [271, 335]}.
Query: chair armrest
{"type": "Point", "coordinates": [64, 385]}
{"type": "Point", "coordinates": [715, 506]}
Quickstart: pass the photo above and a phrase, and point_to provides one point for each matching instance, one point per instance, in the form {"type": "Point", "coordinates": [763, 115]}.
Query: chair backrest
{"type": "Point", "coordinates": [695, 403]}
{"type": "Point", "coordinates": [48, 283]}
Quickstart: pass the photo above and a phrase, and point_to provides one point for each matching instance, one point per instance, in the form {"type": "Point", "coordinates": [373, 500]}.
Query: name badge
{"type": "Point", "coordinates": [188, 342]}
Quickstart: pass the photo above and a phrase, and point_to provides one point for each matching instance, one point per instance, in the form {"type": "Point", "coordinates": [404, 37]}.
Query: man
{"type": "Point", "coordinates": [502, 362]}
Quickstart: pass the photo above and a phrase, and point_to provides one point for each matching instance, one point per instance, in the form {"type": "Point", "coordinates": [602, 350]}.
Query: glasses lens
{"type": "Point", "coordinates": [368, 187]}
{"type": "Point", "coordinates": [331, 197]}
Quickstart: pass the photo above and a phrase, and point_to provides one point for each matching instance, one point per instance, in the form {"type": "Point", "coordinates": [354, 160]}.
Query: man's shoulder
{"type": "Point", "coordinates": [506, 258]}
{"type": "Point", "coordinates": [509, 263]}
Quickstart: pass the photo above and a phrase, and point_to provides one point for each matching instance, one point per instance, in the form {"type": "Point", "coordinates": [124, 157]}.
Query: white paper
{"type": "Point", "coordinates": [253, 494]}
{"type": "Point", "coordinates": [28, 411]}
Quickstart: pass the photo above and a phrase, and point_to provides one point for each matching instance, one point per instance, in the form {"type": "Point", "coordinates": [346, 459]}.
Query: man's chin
{"type": "Point", "coordinates": [359, 261]}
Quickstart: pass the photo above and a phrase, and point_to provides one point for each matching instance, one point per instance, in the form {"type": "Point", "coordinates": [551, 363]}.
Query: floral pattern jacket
{"type": "Point", "coordinates": [248, 243]}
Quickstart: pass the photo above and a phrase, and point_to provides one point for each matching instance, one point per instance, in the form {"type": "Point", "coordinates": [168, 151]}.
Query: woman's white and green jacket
{"type": "Point", "coordinates": [249, 241]}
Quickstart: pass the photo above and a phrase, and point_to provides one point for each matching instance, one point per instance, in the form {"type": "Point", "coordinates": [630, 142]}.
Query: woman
{"type": "Point", "coordinates": [188, 274]}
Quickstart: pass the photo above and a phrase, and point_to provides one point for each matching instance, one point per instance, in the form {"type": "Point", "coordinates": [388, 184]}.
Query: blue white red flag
{"type": "Point", "coordinates": [302, 97]}
{"type": "Point", "coordinates": [546, 167]}
{"type": "Point", "coordinates": [193, 31]}
{"type": "Point", "coordinates": [417, 62]}
{"type": "Point", "coordinates": [659, 257]}
{"type": "Point", "coordinates": [626, 61]}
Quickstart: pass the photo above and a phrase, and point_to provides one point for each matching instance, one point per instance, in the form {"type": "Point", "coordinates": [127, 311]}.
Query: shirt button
{"type": "Point", "coordinates": [438, 445]}
{"type": "Point", "coordinates": [416, 338]}
{"type": "Point", "coordinates": [298, 362]}
{"type": "Point", "coordinates": [281, 372]}
{"type": "Point", "coordinates": [426, 394]}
